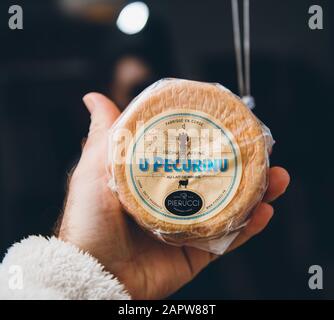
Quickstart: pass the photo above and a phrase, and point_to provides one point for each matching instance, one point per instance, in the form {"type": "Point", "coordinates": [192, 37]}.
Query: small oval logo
{"type": "Point", "coordinates": [183, 203]}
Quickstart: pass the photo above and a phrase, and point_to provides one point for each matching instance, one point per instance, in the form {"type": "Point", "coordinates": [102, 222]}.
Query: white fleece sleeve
{"type": "Point", "coordinates": [39, 268]}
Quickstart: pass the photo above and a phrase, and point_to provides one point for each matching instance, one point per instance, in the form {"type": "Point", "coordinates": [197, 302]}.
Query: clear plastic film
{"type": "Point", "coordinates": [189, 162]}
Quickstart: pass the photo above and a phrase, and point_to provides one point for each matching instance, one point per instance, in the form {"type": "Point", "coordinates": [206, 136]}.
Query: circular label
{"type": "Point", "coordinates": [183, 166]}
{"type": "Point", "coordinates": [183, 203]}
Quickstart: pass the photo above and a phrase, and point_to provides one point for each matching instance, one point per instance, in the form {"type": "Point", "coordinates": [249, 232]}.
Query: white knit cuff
{"type": "Point", "coordinates": [40, 268]}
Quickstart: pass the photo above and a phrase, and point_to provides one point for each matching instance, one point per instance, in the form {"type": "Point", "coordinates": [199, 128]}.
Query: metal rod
{"type": "Point", "coordinates": [237, 45]}
{"type": "Point", "coordinates": [247, 48]}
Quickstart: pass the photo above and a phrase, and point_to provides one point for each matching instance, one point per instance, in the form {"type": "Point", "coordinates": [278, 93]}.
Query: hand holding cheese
{"type": "Point", "coordinates": [95, 221]}
{"type": "Point", "coordinates": [189, 161]}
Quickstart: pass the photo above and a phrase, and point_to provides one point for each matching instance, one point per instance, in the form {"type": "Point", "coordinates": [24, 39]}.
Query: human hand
{"type": "Point", "coordinates": [94, 220]}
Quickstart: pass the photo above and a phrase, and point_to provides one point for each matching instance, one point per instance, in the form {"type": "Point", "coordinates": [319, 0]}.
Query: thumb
{"type": "Point", "coordinates": [103, 114]}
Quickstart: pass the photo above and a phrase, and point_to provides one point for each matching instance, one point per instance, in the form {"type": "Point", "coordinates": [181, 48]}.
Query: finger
{"type": "Point", "coordinates": [278, 182]}
{"type": "Point", "coordinates": [103, 113]}
{"type": "Point", "coordinates": [259, 220]}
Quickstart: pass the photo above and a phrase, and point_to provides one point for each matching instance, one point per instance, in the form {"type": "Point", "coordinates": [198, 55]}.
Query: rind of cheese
{"type": "Point", "coordinates": [221, 104]}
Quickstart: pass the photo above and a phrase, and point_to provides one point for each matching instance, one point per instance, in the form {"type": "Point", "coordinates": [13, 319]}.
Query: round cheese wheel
{"type": "Point", "coordinates": [188, 160]}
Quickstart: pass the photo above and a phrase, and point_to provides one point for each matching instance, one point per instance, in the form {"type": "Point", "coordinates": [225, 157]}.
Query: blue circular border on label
{"type": "Point", "coordinates": [204, 213]}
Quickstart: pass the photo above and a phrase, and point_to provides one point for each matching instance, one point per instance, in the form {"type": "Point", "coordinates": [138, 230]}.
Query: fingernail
{"type": "Point", "coordinates": [89, 102]}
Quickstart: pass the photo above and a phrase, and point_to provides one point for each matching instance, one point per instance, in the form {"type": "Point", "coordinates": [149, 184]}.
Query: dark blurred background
{"type": "Point", "coordinates": [70, 47]}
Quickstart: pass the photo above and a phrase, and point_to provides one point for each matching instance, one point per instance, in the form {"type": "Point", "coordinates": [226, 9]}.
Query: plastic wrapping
{"type": "Point", "coordinates": [189, 161]}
